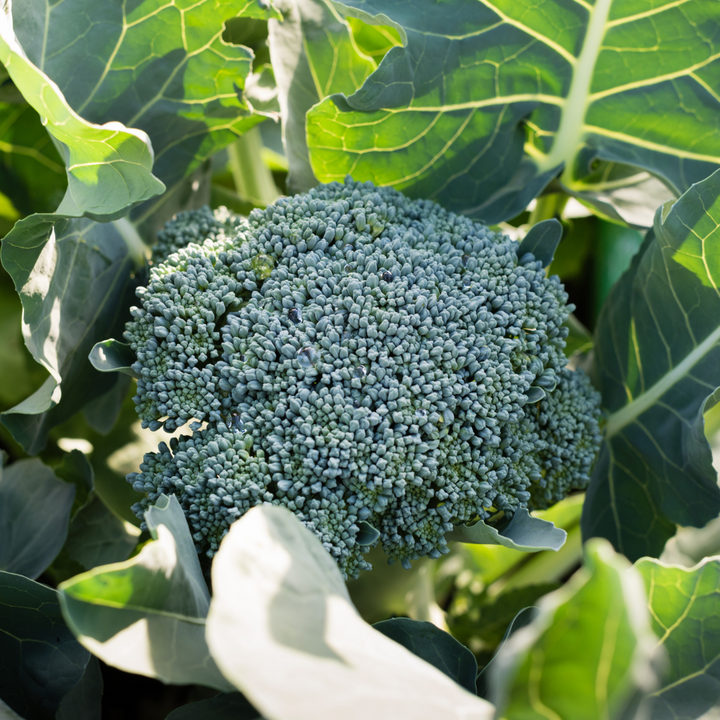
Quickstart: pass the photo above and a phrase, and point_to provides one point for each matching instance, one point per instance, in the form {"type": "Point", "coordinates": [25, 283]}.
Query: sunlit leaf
{"type": "Point", "coordinates": [488, 100]}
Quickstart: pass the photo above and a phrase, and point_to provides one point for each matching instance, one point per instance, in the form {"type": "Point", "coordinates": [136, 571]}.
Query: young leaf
{"type": "Point", "coordinates": [523, 532]}
{"type": "Point", "coordinates": [684, 610]}
{"type": "Point", "coordinates": [435, 646]}
{"type": "Point", "coordinates": [74, 278]}
{"type": "Point", "coordinates": [109, 167]}
{"type": "Point", "coordinates": [112, 356]}
{"type": "Point", "coordinates": [163, 69]}
{"type": "Point", "coordinates": [657, 351]}
{"type": "Point", "coordinates": [40, 660]}
{"type": "Point", "coordinates": [542, 241]}
{"type": "Point", "coordinates": [283, 630]}
{"type": "Point", "coordinates": [147, 615]}
{"type": "Point", "coordinates": [456, 116]}
{"type": "Point", "coordinates": [588, 653]}
{"type": "Point", "coordinates": [313, 55]}
{"type": "Point", "coordinates": [34, 513]}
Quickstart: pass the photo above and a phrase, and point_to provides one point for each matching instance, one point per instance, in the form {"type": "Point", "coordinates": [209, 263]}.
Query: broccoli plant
{"type": "Point", "coordinates": [382, 367]}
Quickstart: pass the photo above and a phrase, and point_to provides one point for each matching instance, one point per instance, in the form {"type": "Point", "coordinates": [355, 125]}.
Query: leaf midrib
{"type": "Point", "coordinates": [626, 415]}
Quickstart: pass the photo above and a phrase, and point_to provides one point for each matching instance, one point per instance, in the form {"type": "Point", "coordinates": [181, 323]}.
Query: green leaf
{"type": "Point", "coordinates": [488, 100]}
{"type": "Point", "coordinates": [186, 86]}
{"type": "Point", "coordinates": [33, 174]}
{"type": "Point", "coordinates": [109, 167]}
{"type": "Point", "coordinates": [313, 55]}
{"type": "Point", "coordinates": [542, 241]}
{"type": "Point", "coordinates": [684, 609]}
{"type": "Point", "coordinates": [657, 353]}
{"type": "Point", "coordinates": [113, 356]}
{"type": "Point", "coordinates": [147, 615]}
{"type": "Point", "coordinates": [282, 629]}
{"type": "Point", "coordinates": [40, 660]}
{"type": "Point", "coordinates": [225, 706]}
{"type": "Point", "coordinates": [84, 701]}
{"type": "Point", "coordinates": [435, 646]}
{"type": "Point", "coordinates": [35, 508]}
{"type": "Point", "coordinates": [75, 280]}
{"type": "Point", "coordinates": [523, 532]}
{"type": "Point", "coordinates": [589, 651]}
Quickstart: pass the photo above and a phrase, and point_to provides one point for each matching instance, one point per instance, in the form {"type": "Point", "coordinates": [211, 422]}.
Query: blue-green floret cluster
{"type": "Point", "coordinates": [373, 363]}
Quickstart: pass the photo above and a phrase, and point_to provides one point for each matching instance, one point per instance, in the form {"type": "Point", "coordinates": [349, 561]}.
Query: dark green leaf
{"type": "Point", "coordinates": [35, 510]}
{"type": "Point", "coordinates": [84, 701]}
{"type": "Point", "coordinates": [186, 86]}
{"type": "Point", "coordinates": [103, 412]}
{"type": "Point", "coordinates": [313, 56]}
{"type": "Point", "coordinates": [684, 609]}
{"type": "Point", "coordinates": [435, 646]}
{"type": "Point", "coordinates": [109, 167]}
{"type": "Point", "coordinates": [225, 706]}
{"type": "Point", "coordinates": [488, 100]}
{"type": "Point", "coordinates": [113, 356]}
{"type": "Point", "coordinates": [64, 319]}
{"type": "Point", "coordinates": [40, 660]}
{"type": "Point", "coordinates": [76, 470]}
{"type": "Point", "coordinates": [523, 532]}
{"type": "Point", "coordinates": [588, 653]}
{"type": "Point", "coordinates": [657, 352]}
{"type": "Point", "coordinates": [542, 241]}
{"type": "Point", "coordinates": [147, 615]}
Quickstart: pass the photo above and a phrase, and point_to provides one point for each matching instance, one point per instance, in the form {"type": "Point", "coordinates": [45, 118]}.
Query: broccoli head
{"type": "Point", "coordinates": [382, 367]}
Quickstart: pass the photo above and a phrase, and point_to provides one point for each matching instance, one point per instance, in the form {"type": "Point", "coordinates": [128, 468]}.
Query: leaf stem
{"type": "Point", "coordinates": [253, 179]}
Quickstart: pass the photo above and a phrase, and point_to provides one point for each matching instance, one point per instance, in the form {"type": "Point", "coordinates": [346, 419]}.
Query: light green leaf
{"type": "Point", "coordinates": [162, 68]}
{"type": "Point", "coordinates": [588, 653]}
{"type": "Point", "coordinates": [63, 320]}
{"type": "Point", "coordinates": [282, 629]}
{"type": "Point", "coordinates": [488, 100]}
{"type": "Point", "coordinates": [657, 353]}
{"type": "Point", "coordinates": [314, 55]}
{"type": "Point", "coordinates": [684, 609]}
{"type": "Point", "coordinates": [523, 532]}
{"type": "Point", "coordinates": [147, 615]}
{"type": "Point", "coordinates": [35, 510]}
{"type": "Point", "coordinates": [109, 166]}
{"type": "Point", "coordinates": [40, 660]}
{"type": "Point", "coordinates": [113, 356]}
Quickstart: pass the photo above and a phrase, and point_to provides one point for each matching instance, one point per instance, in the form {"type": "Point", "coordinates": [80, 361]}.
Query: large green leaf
{"type": "Point", "coordinates": [75, 280]}
{"type": "Point", "coordinates": [684, 609]}
{"type": "Point", "coordinates": [657, 352]}
{"type": "Point", "coordinates": [40, 660]}
{"type": "Point", "coordinates": [225, 706]}
{"type": "Point", "coordinates": [34, 513]}
{"type": "Point", "coordinates": [588, 653]}
{"type": "Point", "coordinates": [160, 67]}
{"type": "Point", "coordinates": [147, 615]}
{"type": "Point", "coordinates": [109, 167]}
{"type": "Point", "coordinates": [313, 55]}
{"type": "Point", "coordinates": [33, 174]}
{"type": "Point", "coordinates": [282, 629]}
{"type": "Point", "coordinates": [490, 99]}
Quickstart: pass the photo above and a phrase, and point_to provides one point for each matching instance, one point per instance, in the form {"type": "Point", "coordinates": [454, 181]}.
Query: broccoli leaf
{"type": "Point", "coordinates": [163, 69]}
{"type": "Point", "coordinates": [280, 602]}
{"type": "Point", "coordinates": [435, 646]}
{"type": "Point", "coordinates": [313, 55]}
{"type": "Point", "coordinates": [75, 280]}
{"type": "Point", "coordinates": [109, 167]}
{"type": "Point", "coordinates": [588, 652]}
{"type": "Point", "coordinates": [40, 661]}
{"type": "Point", "coordinates": [657, 351]}
{"type": "Point", "coordinates": [542, 241]}
{"type": "Point", "coordinates": [487, 101]}
{"type": "Point", "coordinates": [523, 532]}
{"type": "Point", "coordinates": [112, 356]}
{"type": "Point", "coordinates": [683, 605]}
{"type": "Point", "coordinates": [147, 615]}
{"type": "Point", "coordinates": [35, 508]}
{"type": "Point", "coordinates": [225, 706]}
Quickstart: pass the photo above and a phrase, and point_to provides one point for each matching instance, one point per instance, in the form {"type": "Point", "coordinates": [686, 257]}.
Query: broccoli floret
{"type": "Point", "coordinates": [194, 226]}
{"type": "Point", "coordinates": [359, 357]}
